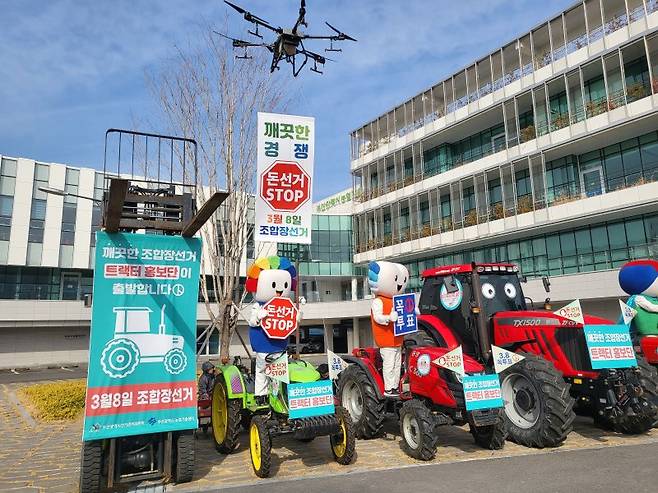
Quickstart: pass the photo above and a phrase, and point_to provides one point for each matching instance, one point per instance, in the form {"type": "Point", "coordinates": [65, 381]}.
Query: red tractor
{"type": "Point", "coordinates": [430, 396]}
{"type": "Point", "coordinates": [477, 305]}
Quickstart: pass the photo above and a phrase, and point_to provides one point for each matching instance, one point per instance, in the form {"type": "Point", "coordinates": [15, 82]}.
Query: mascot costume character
{"type": "Point", "coordinates": [639, 278]}
{"type": "Point", "coordinates": [386, 280]}
{"type": "Point", "coordinates": [268, 277]}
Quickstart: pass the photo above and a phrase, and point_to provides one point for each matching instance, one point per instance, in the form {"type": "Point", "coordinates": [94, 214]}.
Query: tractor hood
{"type": "Point", "coordinates": [541, 318]}
{"type": "Point", "coordinates": [301, 372]}
{"type": "Point", "coordinates": [471, 365]}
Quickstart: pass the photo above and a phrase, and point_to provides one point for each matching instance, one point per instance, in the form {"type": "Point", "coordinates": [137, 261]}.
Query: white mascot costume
{"type": "Point", "coordinates": [386, 280]}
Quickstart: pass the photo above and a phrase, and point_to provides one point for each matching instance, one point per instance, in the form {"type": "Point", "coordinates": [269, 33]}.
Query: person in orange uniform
{"type": "Point", "coordinates": [387, 279]}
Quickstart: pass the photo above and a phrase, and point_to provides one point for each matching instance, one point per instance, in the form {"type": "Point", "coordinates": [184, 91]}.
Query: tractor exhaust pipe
{"type": "Point", "coordinates": [480, 322]}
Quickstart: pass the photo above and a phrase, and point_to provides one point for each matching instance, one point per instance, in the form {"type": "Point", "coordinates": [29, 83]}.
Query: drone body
{"type": "Point", "coordinates": [289, 42]}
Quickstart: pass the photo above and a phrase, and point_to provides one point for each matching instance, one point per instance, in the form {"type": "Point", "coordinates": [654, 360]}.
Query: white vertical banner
{"type": "Point", "coordinates": [284, 201]}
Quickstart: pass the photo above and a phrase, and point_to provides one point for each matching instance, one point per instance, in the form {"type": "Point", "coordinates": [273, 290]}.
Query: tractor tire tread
{"type": "Point", "coordinates": [490, 437]}
{"type": "Point", "coordinates": [350, 446]}
{"type": "Point", "coordinates": [91, 466]}
{"type": "Point", "coordinates": [643, 422]}
{"type": "Point", "coordinates": [185, 457]}
{"type": "Point", "coordinates": [557, 412]}
{"type": "Point", "coordinates": [265, 447]}
{"type": "Point", "coordinates": [427, 430]}
{"type": "Point", "coordinates": [371, 423]}
{"type": "Point", "coordinates": [234, 421]}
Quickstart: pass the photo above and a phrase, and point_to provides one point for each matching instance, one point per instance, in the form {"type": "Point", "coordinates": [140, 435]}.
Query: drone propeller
{"type": "Point", "coordinates": [301, 20]}
{"type": "Point", "coordinates": [249, 17]}
{"type": "Point", "coordinates": [341, 36]}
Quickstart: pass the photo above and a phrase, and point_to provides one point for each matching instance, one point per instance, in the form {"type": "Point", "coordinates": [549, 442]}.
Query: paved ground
{"type": "Point", "coordinates": [36, 457]}
{"type": "Point", "coordinates": [40, 374]}
{"type": "Point", "coordinates": [629, 469]}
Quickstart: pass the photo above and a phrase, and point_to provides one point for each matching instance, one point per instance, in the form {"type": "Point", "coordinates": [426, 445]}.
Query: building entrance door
{"type": "Point", "coordinates": [69, 288]}
{"type": "Point", "coordinates": [592, 181]}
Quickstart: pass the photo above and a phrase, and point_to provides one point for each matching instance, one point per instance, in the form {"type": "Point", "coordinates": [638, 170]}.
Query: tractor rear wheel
{"type": "Point", "coordinates": [491, 437]}
{"type": "Point", "coordinates": [226, 418]}
{"type": "Point", "coordinates": [357, 394]}
{"type": "Point", "coordinates": [91, 466]}
{"type": "Point", "coordinates": [417, 427]}
{"type": "Point", "coordinates": [538, 409]}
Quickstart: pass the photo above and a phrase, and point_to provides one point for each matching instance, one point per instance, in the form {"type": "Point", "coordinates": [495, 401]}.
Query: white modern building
{"type": "Point", "coordinates": [544, 153]}
{"type": "Point", "coordinates": [47, 255]}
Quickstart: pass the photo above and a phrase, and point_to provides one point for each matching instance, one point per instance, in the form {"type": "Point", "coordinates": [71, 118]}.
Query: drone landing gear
{"type": "Point", "coordinates": [314, 68]}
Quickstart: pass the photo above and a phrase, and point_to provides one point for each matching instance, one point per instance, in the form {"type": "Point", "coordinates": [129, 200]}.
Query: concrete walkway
{"type": "Point", "coordinates": [37, 457]}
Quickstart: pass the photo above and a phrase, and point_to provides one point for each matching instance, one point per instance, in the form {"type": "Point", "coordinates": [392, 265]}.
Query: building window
{"type": "Point", "coordinates": [331, 249]}
{"type": "Point", "coordinates": [495, 192]}
{"type": "Point", "coordinates": [37, 214]}
{"type": "Point", "coordinates": [601, 246]}
{"type": "Point", "coordinates": [69, 213]}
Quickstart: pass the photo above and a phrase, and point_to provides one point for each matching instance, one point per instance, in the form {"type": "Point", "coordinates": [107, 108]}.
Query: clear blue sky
{"type": "Point", "coordinates": [70, 69]}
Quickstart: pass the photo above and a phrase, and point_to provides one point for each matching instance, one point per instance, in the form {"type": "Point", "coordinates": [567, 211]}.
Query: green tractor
{"type": "Point", "coordinates": [234, 405]}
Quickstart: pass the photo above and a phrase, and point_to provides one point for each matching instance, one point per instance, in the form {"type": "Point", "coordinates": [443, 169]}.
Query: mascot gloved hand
{"type": "Point", "coordinates": [267, 277]}
{"type": "Point", "coordinates": [387, 279]}
{"type": "Point", "coordinates": [639, 278]}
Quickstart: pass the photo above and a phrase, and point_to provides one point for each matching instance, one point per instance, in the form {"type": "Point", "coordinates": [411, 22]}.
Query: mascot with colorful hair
{"type": "Point", "coordinates": [639, 278]}
{"type": "Point", "coordinates": [386, 280]}
{"type": "Point", "coordinates": [267, 277]}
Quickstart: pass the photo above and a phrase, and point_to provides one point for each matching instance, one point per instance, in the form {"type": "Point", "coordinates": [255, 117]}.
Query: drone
{"type": "Point", "coordinates": [289, 42]}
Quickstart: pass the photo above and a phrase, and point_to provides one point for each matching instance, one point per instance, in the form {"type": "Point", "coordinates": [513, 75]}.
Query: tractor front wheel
{"type": "Point", "coordinates": [343, 443]}
{"type": "Point", "coordinates": [537, 406]}
{"type": "Point", "coordinates": [642, 422]}
{"type": "Point", "coordinates": [260, 446]}
{"type": "Point", "coordinates": [491, 437]}
{"type": "Point", "coordinates": [185, 456]}
{"type": "Point", "coordinates": [91, 466]}
{"type": "Point", "coordinates": [417, 427]}
{"type": "Point", "coordinates": [226, 418]}
{"type": "Point", "coordinates": [357, 394]}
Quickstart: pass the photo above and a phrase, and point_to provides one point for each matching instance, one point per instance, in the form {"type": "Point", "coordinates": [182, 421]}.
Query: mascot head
{"type": "Point", "coordinates": [640, 277]}
{"type": "Point", "coordinates": [272, 276]}
{"type": "Point", "coordinates": [387, 279]}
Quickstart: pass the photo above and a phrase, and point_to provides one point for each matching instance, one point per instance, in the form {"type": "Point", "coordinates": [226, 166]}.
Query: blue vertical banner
{"type": "Point", "coordinates": [142, 354]}
{"type": "Point", "coordinates": [610, 346]}
{"type": "Point", "coordinates": [405, 306]}
{"type": "Point", "coordinates": [482, 392]}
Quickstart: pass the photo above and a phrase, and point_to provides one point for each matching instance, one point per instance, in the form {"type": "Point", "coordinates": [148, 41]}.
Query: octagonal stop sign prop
{"type": "Point", "coordinates": [281, 320]}
{"type": "Point", "coordinates": [285, 186]}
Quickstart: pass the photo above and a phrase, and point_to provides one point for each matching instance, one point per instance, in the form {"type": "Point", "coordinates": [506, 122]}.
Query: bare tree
{"type": "Point", "coordinates": [208, 95]}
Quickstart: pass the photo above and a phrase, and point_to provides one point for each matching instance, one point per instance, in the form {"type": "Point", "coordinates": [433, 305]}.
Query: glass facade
{"type": "Point", "coordinates": [512, 190]}
{"type": "Point", "coordinates": [69, 214]}
{"type": "Point", "coordinates": [331, 249]}
{"type": "Point", "coordinates": [44, 283]}
{"type": "Point", "coordinates": [7, 188]}
{"type": "Point", "coordinates": [37, 214]}
{"type": "Point", "coordinates": [599, 246]}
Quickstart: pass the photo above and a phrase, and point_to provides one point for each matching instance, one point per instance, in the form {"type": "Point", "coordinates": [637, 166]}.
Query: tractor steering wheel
{"type": "Point", "coordinates": [273, 356]}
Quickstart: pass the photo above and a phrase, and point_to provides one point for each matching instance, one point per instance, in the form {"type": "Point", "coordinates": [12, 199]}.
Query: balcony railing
{"type": "Point", "coordinates": [617, 99]}
{"type": "Point", "coordinates": [557, 195]}
{"type": "Point", "coordinates": [617, 22]}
